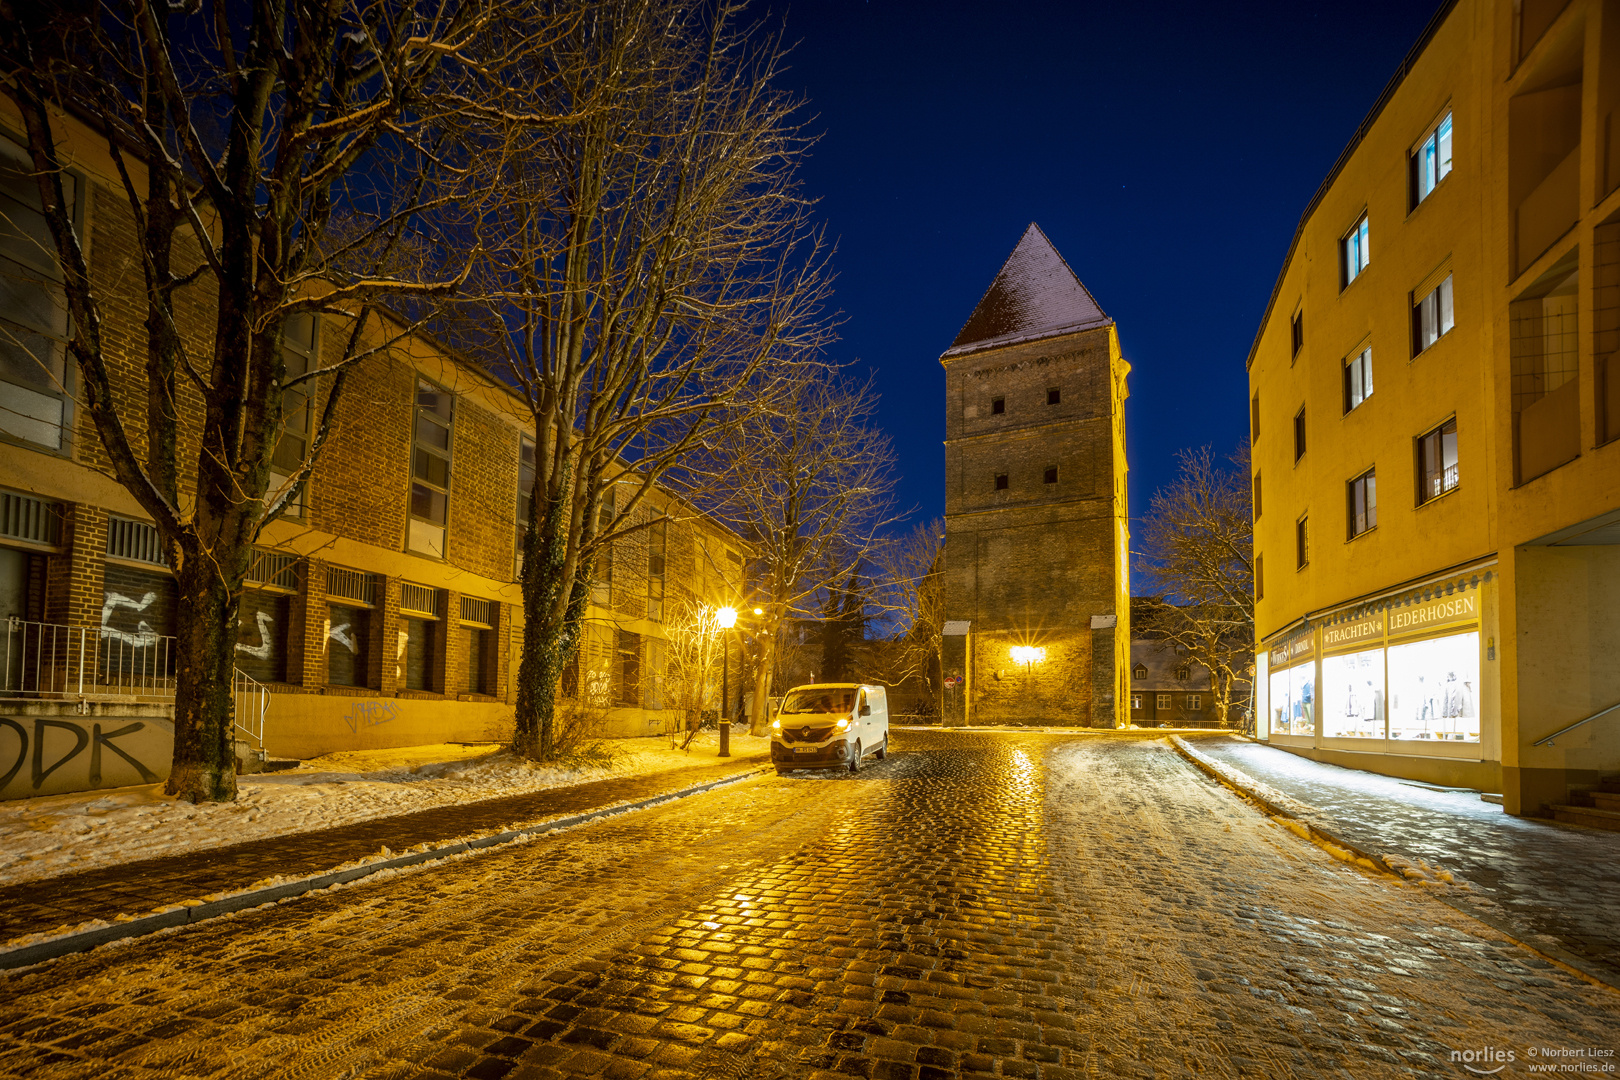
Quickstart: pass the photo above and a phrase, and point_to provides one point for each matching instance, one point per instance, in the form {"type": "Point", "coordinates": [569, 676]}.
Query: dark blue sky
{"type": "Point", "coordinates": [1166, 149]}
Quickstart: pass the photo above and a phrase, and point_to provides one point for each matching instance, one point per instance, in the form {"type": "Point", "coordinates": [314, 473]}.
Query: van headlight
{"type": "Point", "coordinates": [843, 723]}
{"type": "Point", "coordinates": [776, 725]}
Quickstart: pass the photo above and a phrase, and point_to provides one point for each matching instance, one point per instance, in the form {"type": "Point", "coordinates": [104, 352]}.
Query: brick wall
{"type": "Point", "coordinates": [483, 493]}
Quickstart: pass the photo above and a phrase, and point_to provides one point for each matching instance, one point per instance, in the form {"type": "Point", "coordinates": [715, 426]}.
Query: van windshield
{"type": "Point", "coordinates": [822, 700]}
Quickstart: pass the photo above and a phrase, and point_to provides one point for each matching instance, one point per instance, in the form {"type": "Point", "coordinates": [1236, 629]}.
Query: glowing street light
{"type": "Point", "coordinates": [727, 618]}
{"type": "Point", "coordinates": [1028, 654]}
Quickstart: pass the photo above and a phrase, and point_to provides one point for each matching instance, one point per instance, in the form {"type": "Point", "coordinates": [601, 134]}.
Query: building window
{"type": "Point", "coordinates": [348, 645]}
{"type": "Point", "coordinates": [1136, 702]}
{"type": "Point", "coordinates": [419, 644]}
{"type": "Point", "coordinates": [430, 469]}
{"type": "Point", "coordinates": [1054, 396]}
{"type": "Point", "coordinates": [1050, 476]}
{"type": "Point", "coordinates": [1302, 550]}
{"type": "Point", "coordinates": [1432, 316]}
{"type": "Point", "coordinates": [1296, 334]}
{"type": "Point", "coordinates": [1257, 496]}
{"type": "Point", "coordinates": [33, 308]}
{"type": "Point", "coordinates": [657, 541]}
{"type": "Point", "coordinates": [298, 351]}
{"type": "Point", "coordinates": [1259, 578]}
{"type": "Point", "coordinates": [998, 406]}
{"type": "Point", "coordinates": [1183, 672]}
{"type": "Point", "coordinates": [1254, 419]}
{"type": "Point", "coordinates": [1162, 701]}
{"type": "Point", "coordinates": [629, 668]}
{"type": "Point", "coordinates": [1195, 702]}
{"type": "Point", "coordinates": [1139, 672]}
{"type": "Point", "coordinates": [478, 635]}
{"type": "Point", "coordinates": [1437, 461]}
{"type": "Point", "coordinates": [1299, 433]}
{"type": "Point", "coordinates": [1431, 161]}
{"type": "Point", "coordinates": [1362, 503]}
{"type": "Point", "coordinates": [602, 572]}
{"type": "Point", "coordinates": [1001, 481]}
{"type": "Point", "coordinates": [1355, 249]}
{"type": "Point", "coordinates": [1358, 383]}
{"type": "Point", "coordinates": [525, 492]}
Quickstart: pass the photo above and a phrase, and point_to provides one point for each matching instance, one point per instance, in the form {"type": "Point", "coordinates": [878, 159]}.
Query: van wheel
{"type": "Point", "coordinates": [855, 759]}
{"type": "Point", "coordinates": [883, 751]}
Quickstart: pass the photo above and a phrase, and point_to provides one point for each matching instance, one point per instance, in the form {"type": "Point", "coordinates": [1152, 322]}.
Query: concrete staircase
{"type": "Point", "coordinates": [1597, 808]}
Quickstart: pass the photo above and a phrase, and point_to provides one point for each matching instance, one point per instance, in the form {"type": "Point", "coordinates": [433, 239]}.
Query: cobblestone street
{"type": "Point", "coordinates": [1006, 904]}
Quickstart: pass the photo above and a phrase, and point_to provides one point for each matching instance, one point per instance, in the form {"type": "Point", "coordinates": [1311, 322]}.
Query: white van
{"type": "Point", "coordinates": [830, 724]}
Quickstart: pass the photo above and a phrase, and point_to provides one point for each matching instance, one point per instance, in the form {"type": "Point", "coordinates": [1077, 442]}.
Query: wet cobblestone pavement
{"type": "Point", "coordinates": [1551, 883]}
{"type": "Point", "coordinates": [980, 904]}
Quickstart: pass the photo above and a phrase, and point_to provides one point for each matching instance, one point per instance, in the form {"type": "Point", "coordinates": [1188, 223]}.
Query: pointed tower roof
{"type": "Point", "coordinates": [1034, 296]}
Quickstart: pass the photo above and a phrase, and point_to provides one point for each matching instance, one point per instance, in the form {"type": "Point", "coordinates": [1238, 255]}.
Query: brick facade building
{"type": "Point", "coordinates": [1036, 570]}
{"type": "Point", "coordinates": [383, 611]}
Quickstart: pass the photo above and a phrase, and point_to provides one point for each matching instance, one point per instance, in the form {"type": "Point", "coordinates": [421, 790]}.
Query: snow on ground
{"type": "Point", "coordinates": [61, 834]}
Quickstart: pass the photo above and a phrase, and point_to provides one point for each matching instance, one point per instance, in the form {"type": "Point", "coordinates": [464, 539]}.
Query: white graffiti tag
{"type": "Point", "coordinates": [340, 634]}
{"type": "Point", "coordinates": [261, 651]}
{"type": "Point", "coordinates": [144, 634]}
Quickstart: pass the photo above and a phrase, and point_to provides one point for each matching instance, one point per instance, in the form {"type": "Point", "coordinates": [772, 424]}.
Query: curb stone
{"type": "Point", "coordinates": [200, 911]}
{"type": "Point", "coordinates": [1553, 954]}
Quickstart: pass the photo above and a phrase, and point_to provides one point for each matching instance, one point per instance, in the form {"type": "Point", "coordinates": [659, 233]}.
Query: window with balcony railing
{"type": "Point", "coordinates": [1437, 461]}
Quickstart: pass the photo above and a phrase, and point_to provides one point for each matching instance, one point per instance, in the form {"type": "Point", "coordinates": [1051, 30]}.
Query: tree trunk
{"type": "Point", "coordinates": [204, 768]}
{"type": "Point", "coordinates": [548, 646]}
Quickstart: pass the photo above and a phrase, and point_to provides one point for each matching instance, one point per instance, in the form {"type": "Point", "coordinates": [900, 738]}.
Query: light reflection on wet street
{"type": "Point", "coordinates": [981, 903]}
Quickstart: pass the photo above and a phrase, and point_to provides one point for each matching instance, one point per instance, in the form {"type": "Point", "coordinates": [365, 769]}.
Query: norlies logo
{"type": "Point", "coordinates": [1480, 1061]}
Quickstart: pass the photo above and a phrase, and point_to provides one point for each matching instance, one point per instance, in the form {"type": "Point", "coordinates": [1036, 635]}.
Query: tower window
{"type": "Point", "coordinates": [998, 405]}
{"type": "Point", "coordinates": [1054, 396]}
{"type": "Point", "coordinates": [1051, 475]}
{"type": "Point", "coordinates": [1001, 481]}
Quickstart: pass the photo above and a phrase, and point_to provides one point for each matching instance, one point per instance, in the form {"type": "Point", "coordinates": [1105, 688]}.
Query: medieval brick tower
{"type": "Point", "coordinates": [1037, 589]}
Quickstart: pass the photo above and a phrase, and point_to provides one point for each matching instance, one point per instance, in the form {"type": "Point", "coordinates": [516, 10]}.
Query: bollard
{"type": "Point", "coordinates": [725, 738]}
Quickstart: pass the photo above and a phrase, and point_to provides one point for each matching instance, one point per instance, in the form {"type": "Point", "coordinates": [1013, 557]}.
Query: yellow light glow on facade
{"type": "Point", "coordinates": [1028, 654]}
{"type": "Point", "coordinates": [726, 617]}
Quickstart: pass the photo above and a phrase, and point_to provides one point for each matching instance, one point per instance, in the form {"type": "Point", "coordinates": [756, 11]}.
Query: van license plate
{"type": "Point", "coordinates": [804, 749]}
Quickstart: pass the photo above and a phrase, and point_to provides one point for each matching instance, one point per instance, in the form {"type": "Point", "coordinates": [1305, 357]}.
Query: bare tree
{"type": "Point", "coordinates": [279, 161]}
{"type": "Point", "coordinates": [1198, 553]}
{"type": "Point", "coordinates": [652, 265]}
{"type": "Point", "coordinates": [909, 595]}
{"type": "Point", "coordinates": [694, 653]}
{"type": "Point", "coordinates": [809, 483]}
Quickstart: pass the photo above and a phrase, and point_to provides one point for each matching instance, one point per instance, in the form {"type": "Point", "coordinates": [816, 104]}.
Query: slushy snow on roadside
{"type": "Point", "coordinates": [62, 834]}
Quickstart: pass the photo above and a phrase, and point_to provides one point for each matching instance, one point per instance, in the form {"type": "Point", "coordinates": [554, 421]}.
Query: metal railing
{"type": "Point", "coordinates": [95, 663]}
{"type": "Point", "coordinates": [1548, 740]}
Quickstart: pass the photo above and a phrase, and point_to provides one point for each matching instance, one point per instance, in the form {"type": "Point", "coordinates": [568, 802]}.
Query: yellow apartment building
{"type": "Point", "coordinates": [381, 611]}
{"type": "Point", "coordinates": [1434, 411]}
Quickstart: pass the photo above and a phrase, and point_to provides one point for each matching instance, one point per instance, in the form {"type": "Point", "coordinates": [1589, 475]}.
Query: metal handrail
{"type": "Point", "coordinates": [1548, 741]}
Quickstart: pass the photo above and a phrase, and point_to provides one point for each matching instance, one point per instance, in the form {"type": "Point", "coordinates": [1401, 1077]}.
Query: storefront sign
{"type": "Point", "coordinates": [1357, 633]}
{"type": "Point", "coordinates": [1291, 651]}
{"type": "Point", "coordinates": [1429, 614]}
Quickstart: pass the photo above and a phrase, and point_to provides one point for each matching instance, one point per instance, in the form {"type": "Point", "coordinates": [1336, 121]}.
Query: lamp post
{"type": "Point", "coordinates": [727, 618]}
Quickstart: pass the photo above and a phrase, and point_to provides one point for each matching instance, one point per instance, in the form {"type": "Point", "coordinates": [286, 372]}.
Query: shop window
{"type": "Point", "coordinates": [1362, 503]}
{"type": "Point", "coordinates": [1299, 433]}
{"type": "Point", "coordinates": [1434, 690]}
{"type": "Point", "coordinates": [1543, 341]}
{"type": "Point", "coordinates": [1431, 161]}
{"type": "Point", "coordinates": [1001, 481]}
{"type": "Point", "coordinates": [1293, 700]}
{"type": "Point", "coordinates": [998, 406]}
{"type": "Point", "coordinates": [1050, 475]}
{"type": "Point", "coordinates": [1163, 701]}
{"type": "Point", "coordinates": [1355, 251]}
{"type": "Point", "coordinates": [1296, 335]}
{"type": "Point", "coordinates": [526, 474]}
{"type": "Point", "coordinates": [629, 668]}
{"type": "Point", "coordinates": [430, 469]}
{"type": "Point", "coordinates": [348, 645]}
{"type": "Point", "coordinates": [1358, 380]}
{"type": "Point", "coordinates": [1437, 461]}
{"type": "Point", "coordinates": [35, 405]}
{"type": "Point", "coordinates": [1302, 544]}
{"type": "Point", "coordinates": [1433, 315]}
{"type": "Point", "coordinates": [1054, 396]}
{"type": "Point", "coordinates": [298, 353]}
{"type": "Point", "coordinates": [657, 541]}
{"type": "Point", "coordinates": [1353, 695]}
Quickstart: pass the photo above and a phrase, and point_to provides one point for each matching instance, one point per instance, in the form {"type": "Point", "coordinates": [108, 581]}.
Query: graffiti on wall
{"type": "Point", "coordinates": [31, 750]}
{"type": "Point", "coordinates": [367, 714]}
{"type": "Point", "coordinates": [262, 650]}
{"type": "Point", "coordinates": [143, 635]}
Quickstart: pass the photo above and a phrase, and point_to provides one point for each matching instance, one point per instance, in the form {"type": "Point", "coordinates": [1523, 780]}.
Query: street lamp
{"type": "Point", "coordinates": [727, 618]}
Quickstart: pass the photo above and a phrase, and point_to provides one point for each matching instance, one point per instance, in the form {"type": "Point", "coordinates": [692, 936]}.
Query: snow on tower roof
{"type": "Point", "coordinates": [1034, 296]}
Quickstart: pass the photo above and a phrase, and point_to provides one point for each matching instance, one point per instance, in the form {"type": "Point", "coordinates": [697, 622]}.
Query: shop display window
{"type": "Point", "coordinates": [1353, 695]}
{"type": "Point", "coordinates": [1293, 700]}
{"type": "Point", "coordinates": [1434, 689]}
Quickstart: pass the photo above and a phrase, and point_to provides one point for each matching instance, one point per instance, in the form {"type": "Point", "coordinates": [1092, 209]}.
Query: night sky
{"type": "Point", "coordinates": [1167, 150]}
